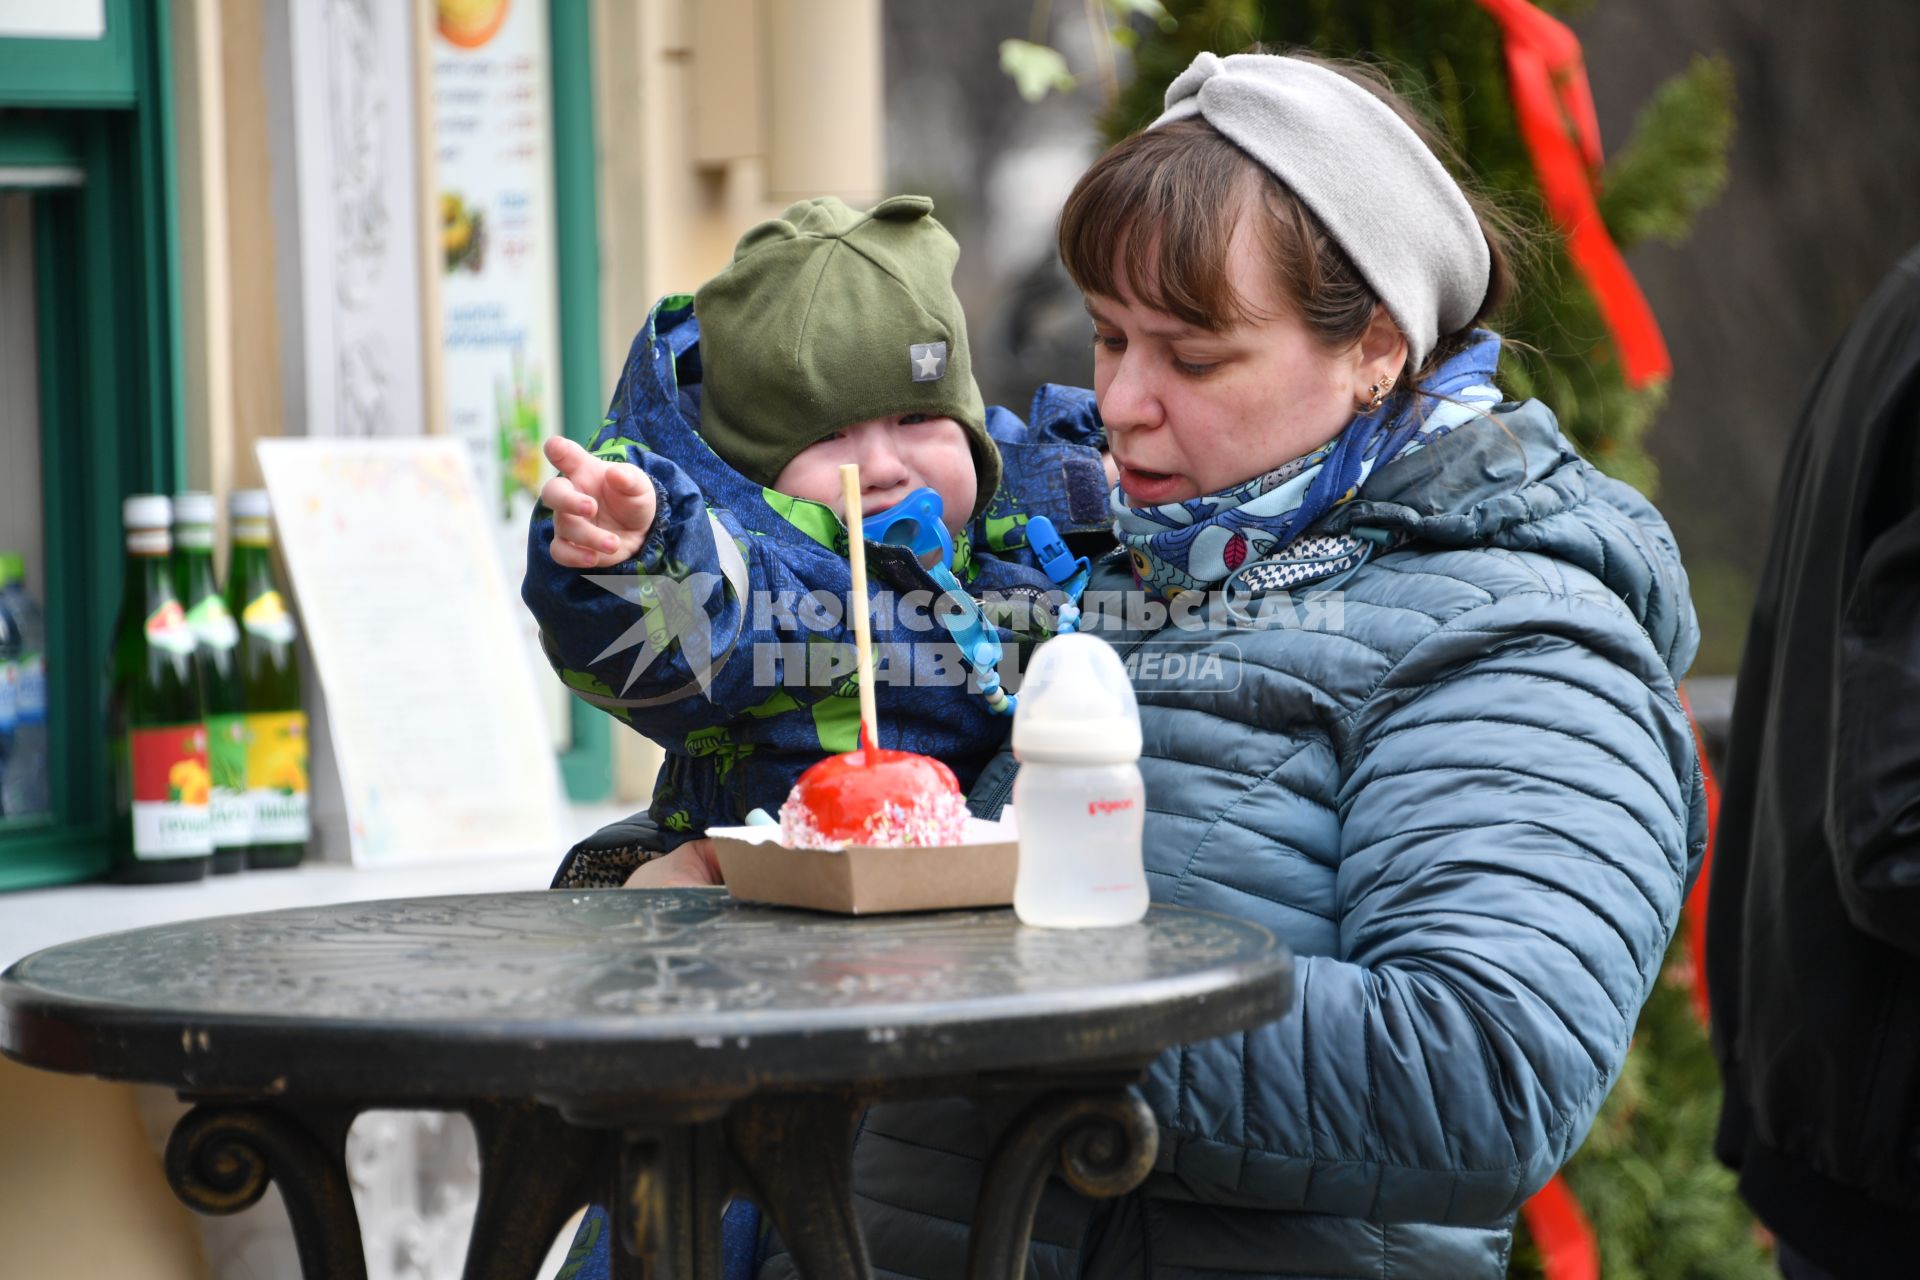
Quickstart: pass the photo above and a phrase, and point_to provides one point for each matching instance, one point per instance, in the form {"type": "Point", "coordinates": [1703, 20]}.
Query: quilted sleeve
{"type": "Point", "coordinates": [675, 639]}
{"type": "Point", "coordinates": [1058, 415]}
{"type": "Point", "coordinates": [1519, 804]}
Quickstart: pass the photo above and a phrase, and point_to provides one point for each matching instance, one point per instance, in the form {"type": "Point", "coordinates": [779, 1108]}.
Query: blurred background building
{"type": "Point", "coordinates": [225, 220]}
{"type": "Point", "coordinates": [1822, 195]}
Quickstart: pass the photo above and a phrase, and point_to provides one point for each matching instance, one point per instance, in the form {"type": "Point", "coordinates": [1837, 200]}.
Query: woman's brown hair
{"type": "Point", "coordinates": [1161, 207]}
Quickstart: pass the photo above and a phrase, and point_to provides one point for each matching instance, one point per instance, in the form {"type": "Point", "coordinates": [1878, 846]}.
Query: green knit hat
{"type": "Point", "coordinates": [827, 316]}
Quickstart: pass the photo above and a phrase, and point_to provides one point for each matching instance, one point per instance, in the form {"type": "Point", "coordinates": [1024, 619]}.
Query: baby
{"type": "Point", "coordinates": [678, 568]}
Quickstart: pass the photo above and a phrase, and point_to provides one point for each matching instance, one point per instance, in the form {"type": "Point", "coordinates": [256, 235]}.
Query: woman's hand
{"type": "Point", "coordinates": [601, 510]}
{"type": "Point", "coordinates": [689, 866]}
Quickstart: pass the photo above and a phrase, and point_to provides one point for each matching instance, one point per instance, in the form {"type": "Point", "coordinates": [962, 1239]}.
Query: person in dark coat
{"type": "Point", "coordinates": [1813, 933]}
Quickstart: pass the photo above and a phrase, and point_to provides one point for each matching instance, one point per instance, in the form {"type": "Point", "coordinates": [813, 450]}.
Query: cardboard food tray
{"type": "Point", "coordinates": [868, 879]}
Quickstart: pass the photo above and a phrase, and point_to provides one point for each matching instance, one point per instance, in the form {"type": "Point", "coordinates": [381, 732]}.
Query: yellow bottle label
{"type": "Point", "coordinates": [266, 616]}
{"type": "Point", "coordinates": [277, 777]}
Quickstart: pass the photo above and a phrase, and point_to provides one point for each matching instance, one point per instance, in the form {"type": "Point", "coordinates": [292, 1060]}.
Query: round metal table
{"type": "Point", "coordinates": [663, 1049]}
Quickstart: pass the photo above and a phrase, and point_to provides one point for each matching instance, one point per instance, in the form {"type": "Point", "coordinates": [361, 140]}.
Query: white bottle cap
{"type": "Point", "coordinates": [1076, 705]}
{"type": "Point", "coordinates": [249, 504]}
{"type": "Point", "coordinates": [146, 511]}
{"type": "Point", "coordinates": [193, 508]}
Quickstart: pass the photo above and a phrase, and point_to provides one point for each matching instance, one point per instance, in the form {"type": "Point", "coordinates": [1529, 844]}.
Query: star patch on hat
{"type": "Point", "coordinates": [929, 360]}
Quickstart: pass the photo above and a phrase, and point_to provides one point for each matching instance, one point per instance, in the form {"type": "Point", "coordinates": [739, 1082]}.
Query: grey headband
{"type": "Point", "coordinates": [1366, 176]}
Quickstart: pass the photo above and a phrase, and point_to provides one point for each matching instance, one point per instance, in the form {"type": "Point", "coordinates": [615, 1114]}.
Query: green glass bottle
{"type": "Point", "coordinates": [276, 718]}
{"type": "Point", "coordinates": [223, 701]}
{"type": "Point", "coordinates": [162, 784]}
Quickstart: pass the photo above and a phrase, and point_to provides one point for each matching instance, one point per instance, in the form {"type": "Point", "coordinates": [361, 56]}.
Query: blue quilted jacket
{"type": "Point", "coordinates": [1464, 791]}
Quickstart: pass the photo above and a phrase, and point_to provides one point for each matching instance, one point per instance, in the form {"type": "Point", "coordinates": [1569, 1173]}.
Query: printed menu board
{"type": "Point", "coordinates": [493, 131]}
{"type": "Point", "coordinates": [435, 723]}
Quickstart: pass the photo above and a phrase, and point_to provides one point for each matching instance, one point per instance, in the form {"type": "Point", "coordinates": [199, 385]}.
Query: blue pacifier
{"type": "Point", "coordinates": [1050, 549]}
{"type": "Point", "coordinates": [915, 523]}
{"type": "Point", "coordinates": [1068, 571]}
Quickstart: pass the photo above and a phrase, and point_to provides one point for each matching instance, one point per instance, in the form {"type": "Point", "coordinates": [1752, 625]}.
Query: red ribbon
{"type": "Point", "coordinates": [1553, 105]}
{"type": "Point", "coordinates": [1562, 1233]}
{"type": "Point", "coordinates": [1696, 905]}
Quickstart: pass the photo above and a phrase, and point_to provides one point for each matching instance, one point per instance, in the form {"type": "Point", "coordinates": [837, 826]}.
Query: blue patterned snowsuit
{"type": "Point", "coordinates": [743, 689]}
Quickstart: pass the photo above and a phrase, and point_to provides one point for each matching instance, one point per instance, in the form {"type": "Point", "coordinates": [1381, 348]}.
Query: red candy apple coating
{"type": "Point", "coordinates": [874, 797]}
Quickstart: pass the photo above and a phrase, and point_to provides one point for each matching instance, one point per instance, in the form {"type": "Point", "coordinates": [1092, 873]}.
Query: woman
{"type": "Point", "coordinates": [1470, 807]}
{"type": "Point", "coordinates": [1450, 770]}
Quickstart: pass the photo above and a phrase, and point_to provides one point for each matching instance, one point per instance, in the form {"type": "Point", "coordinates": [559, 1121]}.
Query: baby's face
{"type": "Point", "coordinates": [896, 455]}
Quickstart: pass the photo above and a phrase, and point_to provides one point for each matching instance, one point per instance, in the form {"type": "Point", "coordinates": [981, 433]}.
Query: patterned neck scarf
{"type": "Point", "coordinates": [1193, 545]}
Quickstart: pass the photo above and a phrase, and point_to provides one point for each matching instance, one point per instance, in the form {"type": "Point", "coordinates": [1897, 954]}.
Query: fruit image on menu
{"type": "Point", "coordinates": [470, 23]}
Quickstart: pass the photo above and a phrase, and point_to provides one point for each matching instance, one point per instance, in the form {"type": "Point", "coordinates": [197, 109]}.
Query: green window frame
{"type": "Point", "coordinates": [107, 72]}
{"type": "Point", "coordinates": [107, 298]}
{"type": "Point", "coordinates": [107, 316]}
{"type": "Point", "coordinates": [587, 766]}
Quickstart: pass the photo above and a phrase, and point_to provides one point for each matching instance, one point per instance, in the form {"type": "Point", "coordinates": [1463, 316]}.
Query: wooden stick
{"type": "Point", "coordinates": [858, 604]}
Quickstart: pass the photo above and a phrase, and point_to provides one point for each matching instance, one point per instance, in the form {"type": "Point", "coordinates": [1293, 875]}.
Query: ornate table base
{"type": "Point", "coordinates": [666, 1171]}
{"type": "Point", "coordinates": [657, 1051]}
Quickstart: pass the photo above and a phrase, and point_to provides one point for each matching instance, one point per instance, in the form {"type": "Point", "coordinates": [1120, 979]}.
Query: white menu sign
{"type": "Point", "coordinates": [433, 714]}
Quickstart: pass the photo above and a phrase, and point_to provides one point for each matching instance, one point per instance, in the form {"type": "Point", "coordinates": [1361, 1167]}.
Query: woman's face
{"type": "Point", "coordinates": [1191, 412]}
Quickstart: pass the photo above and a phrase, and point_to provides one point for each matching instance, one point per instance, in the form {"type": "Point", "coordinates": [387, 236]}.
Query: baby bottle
{"type": "Point", "coordinates": [1078, 797]}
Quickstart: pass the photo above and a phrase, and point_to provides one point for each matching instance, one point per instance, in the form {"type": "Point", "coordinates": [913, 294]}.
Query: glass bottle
{"type": "Point", "coordinates": [10, 654]}
{"type": "Point", "coordinates": [162, 785]}
{"type": "Point", "coordinates": [222, 700]}
{"type": "Point", "coordinates": [25, 789]}
{"type": "Point", "coordinates": [276, 718]}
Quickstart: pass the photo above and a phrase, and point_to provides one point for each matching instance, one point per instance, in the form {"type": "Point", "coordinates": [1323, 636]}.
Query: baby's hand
{"type": "Point", "coordinates": [601, 510]}
{"type": "Point", "coordinates": [693, 863]}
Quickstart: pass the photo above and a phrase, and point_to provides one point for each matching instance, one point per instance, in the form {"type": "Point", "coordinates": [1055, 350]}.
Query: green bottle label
{"type": "Point", "coordinates": [211, 624]}
{"type": "Point", "coordinates": [231, 808]}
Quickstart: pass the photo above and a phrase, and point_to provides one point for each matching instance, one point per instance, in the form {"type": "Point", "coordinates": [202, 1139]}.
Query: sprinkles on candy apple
{"type": "Point", "coordinates": [874, 797]}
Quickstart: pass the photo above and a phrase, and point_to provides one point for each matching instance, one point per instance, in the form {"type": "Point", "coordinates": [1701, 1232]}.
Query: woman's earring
{"type": "Point", "coordinates": [1377, 393]}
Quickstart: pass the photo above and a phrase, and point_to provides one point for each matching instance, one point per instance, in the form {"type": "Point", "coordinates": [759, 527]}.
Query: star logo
{"type": "Point", "coordinates": [929, 360]}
